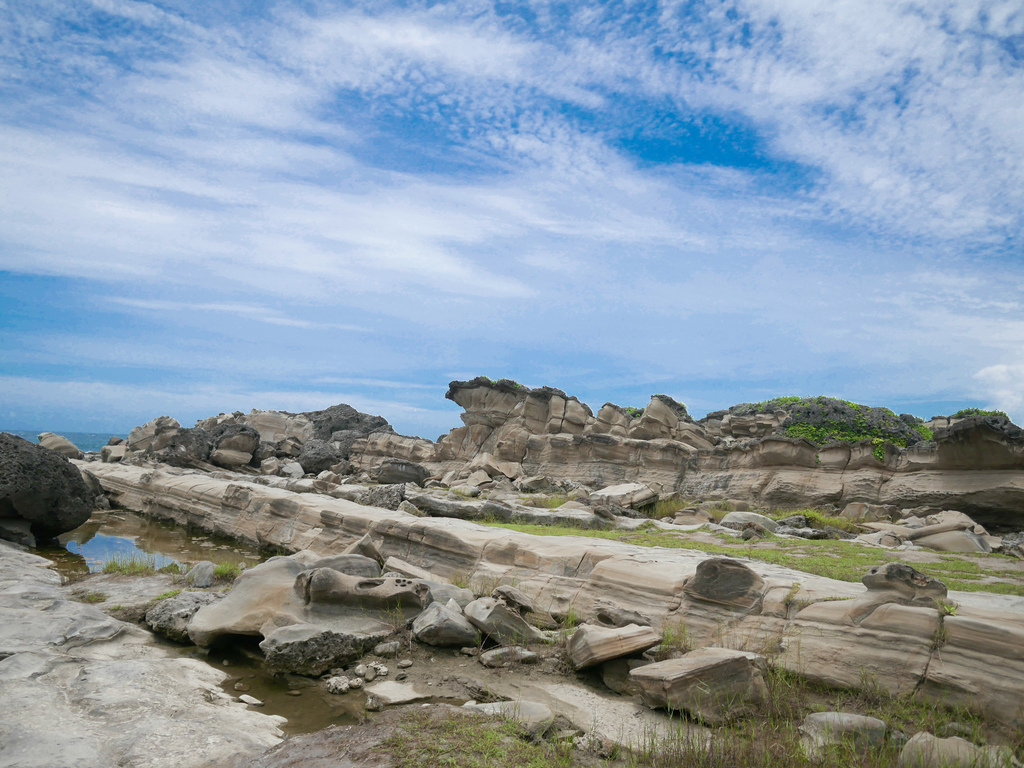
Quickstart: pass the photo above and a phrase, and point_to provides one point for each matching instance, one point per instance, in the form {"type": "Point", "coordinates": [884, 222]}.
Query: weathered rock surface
{"type": "Point", "coordinates": [443, 625]}
{"type": "Point", "coordinates": [592, 644]}
{"type": "Point", "coordinates": [82, 689]}
{"type": "Point", "coordinates": [882, 633]}
{"type": "Point", "coordinates": [170, 617]}
{"type": "Point", "coordinates": [60, 444]}
{"type": "Point", "coordinates": [502, 624]}
{"type": "Point", "coordinates": [927, 751]}
{"type": "Point", "coordinates": [820, 729]}
{"type": "Point", "coordinates": [41, 488]}
{"type": "Point", "coordinates": [714, 685]}
{"type": "Point", "coordinates": [309, 649]}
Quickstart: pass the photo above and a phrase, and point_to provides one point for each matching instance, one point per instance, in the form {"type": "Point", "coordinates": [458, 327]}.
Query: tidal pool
{"type": "Point", "coordinates": [122, 535]}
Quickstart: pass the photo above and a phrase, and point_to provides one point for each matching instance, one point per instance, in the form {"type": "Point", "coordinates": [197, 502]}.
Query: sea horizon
{"type": "Point", "coordinates": [86, 441]}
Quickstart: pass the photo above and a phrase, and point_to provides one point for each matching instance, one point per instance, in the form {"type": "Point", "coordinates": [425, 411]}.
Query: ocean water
{"type": "Point", "coordinates": [86, 441]}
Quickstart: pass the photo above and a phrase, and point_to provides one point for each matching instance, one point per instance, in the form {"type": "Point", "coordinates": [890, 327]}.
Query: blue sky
{"type": "Point", "coordinates": [209, 207]}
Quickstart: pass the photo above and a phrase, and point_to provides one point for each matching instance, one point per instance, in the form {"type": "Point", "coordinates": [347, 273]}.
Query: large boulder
{"type": "Point", "coordinates": [714, 685]}
{"type": "Point", "coordinates": [444, 625]}
{"type": "Point", "coordinates": [393, 471]}
{"type": "Point", "coordinates": [501, 623]}
{"type": "Point", "coordinates": [320, 455]}
{"type": "Point", "coordinates": [308, 649]}
{"type": "Point", "coordinates": [631, 495]}
{"type": "Point", "coordinates": [591, 644]}
{"type": "Point", "coordinates": [153, 435]}
{"type": "Point", "coordinates": [725, 582]}
{"type": "Point", "coordinates": [41, 488]}
{"type": "Point", "coordinates": [60, 444]}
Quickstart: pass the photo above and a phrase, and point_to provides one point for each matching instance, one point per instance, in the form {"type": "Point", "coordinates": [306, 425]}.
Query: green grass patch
{"type": "Point", "coordinates": [134, 564]}
{"type": "Point", "coordinates": [90, 597]}
{"type": "Point", "coordinates": [165, 595]}
{"type": "Point", "coordinates": [457, 740]}
{"type": "Point", "coordinates": [228, 571]}
{"type": "Point", "coordinates": [544, 502]}
{"type": "Point", "coordinates": [834, 559]}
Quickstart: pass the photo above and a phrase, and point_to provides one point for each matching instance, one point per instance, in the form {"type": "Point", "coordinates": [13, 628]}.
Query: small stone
{"type": "Point", "coordinates": [355, 682]}
{"type": "Point", "coordinates": [226, 663]}
{"type": "Point", "coordinates": [401, 676]}
{"type": "Point", "coordinates": [337, 685]}
{"type": "Point", "coordinates": [387, 650]}
{"type": "Point", "coordinates": [468, 651]}
{"type": "Point", "coordinates": [294, 693]}
{"type": "Point", "coordinates": [405, 663]}
{"type": "Point", "coordinates": [382, 671]}
{"type": "Point", "coordinates": [370, 674]}
{"type": "Point", "coordinates": [240, 686]}
{"type": "Point", "coordinates": [360, 670]}
{"type": "Point", "coordinates": [252, 701]}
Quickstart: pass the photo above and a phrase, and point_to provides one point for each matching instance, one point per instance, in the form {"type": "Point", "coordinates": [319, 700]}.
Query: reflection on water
{"type": "Point", "coordinates": [120, 534]}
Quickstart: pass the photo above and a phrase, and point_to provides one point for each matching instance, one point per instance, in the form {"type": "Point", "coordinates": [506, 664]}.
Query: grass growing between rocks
{"type": "Point", "coordinates": [228, 571]}
{"type": "Point", "coordinates": [545, 502]}
{"type": "Point", "coordinates": [834, 559]}
{"type": "Point", "coordinates": [134, 564]}
{"type": "Point", "coordinates": [462, 740]}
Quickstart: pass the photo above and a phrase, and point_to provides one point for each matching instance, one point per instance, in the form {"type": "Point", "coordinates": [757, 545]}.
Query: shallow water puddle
{"type": "Point", "coordinates": [123, 535]}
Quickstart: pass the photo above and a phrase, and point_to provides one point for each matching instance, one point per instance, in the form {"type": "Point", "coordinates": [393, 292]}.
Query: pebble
{"type": "Point", "coordinates": [405, 663]}
{"type": "Point", "coordinates": [387, 650]}
{"type": "Point", "coordinates": [355, 682]}
{"type": "Point", "coordinates": [360, 670]}
{"type": "Point", "coordinates": [252, 701]}
{"type": "Point", "coordinates": [401, 676]}
{"type": "Point", "coordinates": [294, 693]}
{"type": "Point", "coordinates": [468, 651]}
{"type": "Point", "coordinates": [369, 675]}
{"type": "Point", "coordinates": [241, 686]}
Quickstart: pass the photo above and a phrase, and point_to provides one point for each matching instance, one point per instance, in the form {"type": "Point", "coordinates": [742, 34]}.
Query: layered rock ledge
{"type": "Point", "coordinates": [891, 632]}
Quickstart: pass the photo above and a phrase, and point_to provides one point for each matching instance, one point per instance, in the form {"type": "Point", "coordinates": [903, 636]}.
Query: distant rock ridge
{"type": "Point", "coordinates": [780, 453]}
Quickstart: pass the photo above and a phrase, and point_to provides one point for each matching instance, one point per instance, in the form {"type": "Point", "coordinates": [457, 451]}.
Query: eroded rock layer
{"type": "Point", "coordinates": [891, 632]}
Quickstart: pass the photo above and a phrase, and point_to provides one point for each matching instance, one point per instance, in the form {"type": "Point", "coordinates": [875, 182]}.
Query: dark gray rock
{"type": "Point", "coordinates": [401, 471]}
{"type": "Point", "coordinates": [41, 487]}
{"type": "Point", "coordinates": [319, 455]}
{"type": "Point", "coordinates": [385, 496]}
{"type": "Point", "coordinates": [442, 625]}
{"type": "Point", "coordinates": [308, 649]}
{"type": "Point", "coordinates": [343, 424]}
{"type": "Point", "coordinates": [171, 616]}
{"type": "Point", "coordinates": [725, 582]}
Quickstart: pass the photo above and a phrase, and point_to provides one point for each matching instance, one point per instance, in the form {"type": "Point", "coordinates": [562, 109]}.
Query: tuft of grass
{"type": "Point", "coordinates": [545, 502]}
{"type": "Point", "coordinates": [165, 595]}
{"type": "Point", "coordinates": [463, 740]}
{"type": "Point", "coordinates": [133, 564]}
{"type": "Point", "coordinates": [175, 569]}
{"type": "Point", "coordinates": [91, 597]}
{"type": "Point", "coordinates": [668, 507]}
{"type": "Point", "coordinates": [228, 571]}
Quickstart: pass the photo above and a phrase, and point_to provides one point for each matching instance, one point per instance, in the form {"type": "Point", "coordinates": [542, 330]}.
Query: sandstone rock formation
{"type": "Point", "coordinates": [891, 630]}
{"type": "Point", "coordinates": [60, 444]}
{"type": "Point", "coordinates": [42, 494]}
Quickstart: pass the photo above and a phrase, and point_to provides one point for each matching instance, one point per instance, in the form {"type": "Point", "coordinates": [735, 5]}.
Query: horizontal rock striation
{"type": "Point", "coordinates": [890, 632]}
{"type": "Point", "coordinates": [975, 464]}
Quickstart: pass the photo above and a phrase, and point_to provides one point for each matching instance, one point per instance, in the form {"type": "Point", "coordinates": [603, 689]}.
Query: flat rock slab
{"type": "Point", "coordinates": [390, 693]}
{"type": "Point", "coordinates": [535, 717]}
{"type": "Point", "coordinates": [714, 685]}
{"type": "Point", "coordinates": [591, 644]}
{"type": "Point", "coordinates": [823, 728]}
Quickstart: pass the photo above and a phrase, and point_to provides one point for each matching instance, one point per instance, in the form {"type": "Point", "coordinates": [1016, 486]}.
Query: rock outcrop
{"type": "Point", "coordinates": [892, 630]}
{"type": "Point", "coordinates": [82, 689]}
{"type": "Point", "coordinates": [42, 494]}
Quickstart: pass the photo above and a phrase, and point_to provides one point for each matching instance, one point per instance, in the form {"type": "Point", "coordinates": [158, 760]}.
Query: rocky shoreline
{"type": "Point", "coordinates": [388, 584]}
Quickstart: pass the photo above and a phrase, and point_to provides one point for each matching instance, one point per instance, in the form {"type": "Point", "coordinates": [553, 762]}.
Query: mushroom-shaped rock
{"type": "Point", "coordinates": [591, 644]}
{"type": "Point", "coordinates": [40, 489]}
{"type": "Point", "coordinates": [906, 582]}
{"type": "Point", "coordinates": [60, 444]}
{"type": "Point", "coordinates": [330, 587]}
{"type": "Point", "coordinates": [726, 582]}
